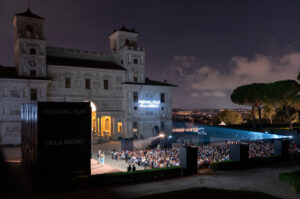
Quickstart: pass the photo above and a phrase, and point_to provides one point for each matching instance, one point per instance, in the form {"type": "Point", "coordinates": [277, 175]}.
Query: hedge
{"type": "Point", "coordinates": [293, 178]}
{"type": "Point", "coordinates": [250, 163]}
{"type": "Point", "coordinates": [126, 177]}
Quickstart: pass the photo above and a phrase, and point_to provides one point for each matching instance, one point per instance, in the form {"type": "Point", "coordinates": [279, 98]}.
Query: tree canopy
{"type": "Point", "coordinates": [284, 93]}
{"type": "Point", "coordinates": [250, 95]}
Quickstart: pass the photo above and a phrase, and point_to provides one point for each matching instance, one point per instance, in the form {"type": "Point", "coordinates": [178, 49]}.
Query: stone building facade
{"type": "Point", "coordinates": [124, 103]}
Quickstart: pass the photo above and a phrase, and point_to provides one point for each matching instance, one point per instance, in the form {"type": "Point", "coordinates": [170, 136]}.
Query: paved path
{"type": "Point", "coordinates": [107, 148]}
{"type": "Point", "coordinates": [98, 169]}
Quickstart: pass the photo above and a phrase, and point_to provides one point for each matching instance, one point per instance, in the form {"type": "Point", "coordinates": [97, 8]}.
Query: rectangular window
{"type": "Point", "coordinates": [87, 83]}
{"type": "Point", "coordinates": [32, 73]}
{"type": "Point", "coordinates": [135, 96]}
{"type": "Point", "coordinates": [134, 129]}
{"type": "Point", "coordinates": [32, 51]}
{"type": "Point", "coordinates": [135, 108]}
{"type": "Point", "coordinates": [105, 84]}
{"type": "Point", "coordinates": [15, 93]}
{"type": "Point", "coordinates": [119, 127]}
{"type": "Point", "coordinates": [33, 94]}
{"type": "Point", "coordinates": [135, 78]}
{"type": "Point", "coordinates": [68, 82]}
{"type": "Point", "coordinates": [135, 125]}
{"type": "Point", "coordinates": [162, 97]}
{"type": "Point", "coordinates": [135, 61]}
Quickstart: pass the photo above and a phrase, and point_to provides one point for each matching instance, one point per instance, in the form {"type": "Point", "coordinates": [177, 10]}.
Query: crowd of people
{"type": "Point", "coordinates": [220, 152]}
{"type": "Point", "coordinates": [261, 149]}
{"type": "Point", "coordinates": [294, 148]}
{"type": "Point", "coordinates": [149, 158]}
{"type": "Point", "coordinates": [163, 157]}
{"type": "Point", "coordinates": [212, 153]}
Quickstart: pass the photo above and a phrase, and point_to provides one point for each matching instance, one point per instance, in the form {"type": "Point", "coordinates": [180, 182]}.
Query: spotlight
{"type": "Point", "coordinates": [161, 135]}
{"type": "Point", "coordinates": [170, 137]}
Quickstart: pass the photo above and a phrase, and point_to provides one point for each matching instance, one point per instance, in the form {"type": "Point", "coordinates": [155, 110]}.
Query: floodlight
{"type": "Point", "coordinates": [162, 135]}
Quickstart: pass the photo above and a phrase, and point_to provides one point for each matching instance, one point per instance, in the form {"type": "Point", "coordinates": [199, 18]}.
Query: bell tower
{"type": "Point", "coordinates": [124, 46]}
{"type": "Point", "coordinates": [29, 44]}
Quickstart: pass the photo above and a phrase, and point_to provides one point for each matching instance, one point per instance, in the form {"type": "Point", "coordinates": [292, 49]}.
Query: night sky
{"type": "Point", "coordinates": [206, 47]}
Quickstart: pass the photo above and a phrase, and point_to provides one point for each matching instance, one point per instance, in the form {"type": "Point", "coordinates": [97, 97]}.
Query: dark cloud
{"type": "Point", "coordinates": [208, 84]}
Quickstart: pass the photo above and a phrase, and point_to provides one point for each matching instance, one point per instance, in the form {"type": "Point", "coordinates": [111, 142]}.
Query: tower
{"type": "Point", "coordinates": [123, 44]}
{"type": "Point", "coordinates": [29, 44]}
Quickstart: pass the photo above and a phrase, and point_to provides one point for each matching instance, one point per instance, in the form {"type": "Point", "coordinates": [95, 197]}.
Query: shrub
{"type": "Point", "coordinates": [126, 177]}
{"type": "Point", "coordinates": [250, 163]}
{"type": "Point", "coordinates": [293, 178]}
{"type": "Point", "coordinates": [225, 165]}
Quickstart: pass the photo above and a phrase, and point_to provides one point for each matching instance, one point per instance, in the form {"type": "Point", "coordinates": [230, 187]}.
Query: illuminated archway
{"type": "Point", "coordinates": [106, 127]}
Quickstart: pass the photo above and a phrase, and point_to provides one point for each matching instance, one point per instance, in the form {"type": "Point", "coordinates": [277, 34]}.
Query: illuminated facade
{"type": "Point", "coordinates": [124, 103]}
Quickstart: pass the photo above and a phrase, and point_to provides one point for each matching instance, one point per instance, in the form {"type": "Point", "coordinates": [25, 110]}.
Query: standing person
{"type": "Point", "coordinates": [133, 168]}
{"type": "Point", "coordinates": [129, 168]}
{"type": "Point", "coordinates": [99, 156]}
{"type": "Point", "coordinates": [102, 158]}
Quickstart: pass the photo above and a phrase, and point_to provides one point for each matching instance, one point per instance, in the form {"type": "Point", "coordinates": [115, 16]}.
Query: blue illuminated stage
{"type": "Point", "coordinates": [220, 134]}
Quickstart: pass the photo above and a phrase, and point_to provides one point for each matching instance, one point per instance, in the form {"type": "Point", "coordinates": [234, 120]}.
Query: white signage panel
{"type": "Point", "coordinates": [149, 103]}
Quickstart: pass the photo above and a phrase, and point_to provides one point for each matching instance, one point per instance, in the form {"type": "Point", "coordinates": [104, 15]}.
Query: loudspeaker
{"type": "Point", "coordinates": [281, 148]}
{"type": "Point", "coordinates": [239, 152]}
{"type": "Point", "coordinates": [188, 159]}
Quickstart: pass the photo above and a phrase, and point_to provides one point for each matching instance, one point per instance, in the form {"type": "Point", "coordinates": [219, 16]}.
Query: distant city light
{"type": "Point", "coordinates": [149, 103]}
{"type": "Point", "coordinates": [170, 137]}
{"type": "Point", "coordinates": [200, 131]}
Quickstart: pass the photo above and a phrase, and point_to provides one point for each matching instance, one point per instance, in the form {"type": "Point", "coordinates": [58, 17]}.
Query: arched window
{"type": "Point", "coordinates": [107, 129]}
{"type": "Point", "coordinates": [29, 31]}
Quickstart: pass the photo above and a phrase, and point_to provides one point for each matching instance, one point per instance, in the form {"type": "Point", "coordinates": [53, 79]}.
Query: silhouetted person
{"type": "Point", "coordinates": [129, 168]}
{"type": "Point", "coordinates": [133, 168]}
